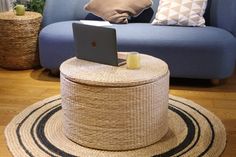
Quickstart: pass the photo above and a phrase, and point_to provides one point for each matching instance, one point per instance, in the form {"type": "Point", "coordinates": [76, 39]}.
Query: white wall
{"type": "Point", "coordinates": [5, 5]}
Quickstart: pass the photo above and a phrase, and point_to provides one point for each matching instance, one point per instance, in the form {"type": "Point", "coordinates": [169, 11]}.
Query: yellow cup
{"type": "Point", "coordinates": [19, 10]}
{"type": "Point", "coordinates": [133, 60]}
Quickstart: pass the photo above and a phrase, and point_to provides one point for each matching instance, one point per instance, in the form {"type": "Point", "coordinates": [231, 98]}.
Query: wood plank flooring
{"type": "Point", "coordinates": [19, 89]}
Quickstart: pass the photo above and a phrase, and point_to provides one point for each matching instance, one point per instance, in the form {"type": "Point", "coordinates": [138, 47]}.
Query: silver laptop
{"type": "Point", "coordinates": [97, 44]}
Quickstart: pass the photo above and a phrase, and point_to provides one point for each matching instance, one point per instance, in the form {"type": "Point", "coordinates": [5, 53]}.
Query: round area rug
{"type": "Point", "coordinates": [193, 131]}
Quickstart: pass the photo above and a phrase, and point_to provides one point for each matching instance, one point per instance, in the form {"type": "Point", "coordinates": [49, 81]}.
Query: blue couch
{"type": "Point", "coordinates": [191, 52]}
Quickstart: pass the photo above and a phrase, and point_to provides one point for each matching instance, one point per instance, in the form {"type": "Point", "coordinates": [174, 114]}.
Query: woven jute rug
{"type": "Point", "coordinates": [193, 131]}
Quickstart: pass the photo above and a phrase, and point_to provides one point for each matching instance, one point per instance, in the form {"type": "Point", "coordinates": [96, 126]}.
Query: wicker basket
{"type": "Point", "coordinates": [18, 40]}
{"type": "Point", "coordinates": [113, 108]}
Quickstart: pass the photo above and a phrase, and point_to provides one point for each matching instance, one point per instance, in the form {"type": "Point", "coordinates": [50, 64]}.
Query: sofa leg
{"type": "Point", "coordinates": [55, 72]}
{"type": "Point", "coordinates": [215, 82]}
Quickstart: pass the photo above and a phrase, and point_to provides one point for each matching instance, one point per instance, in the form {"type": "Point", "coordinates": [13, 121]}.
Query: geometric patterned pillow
{"type": "Point", "coordinates": [181, 12]}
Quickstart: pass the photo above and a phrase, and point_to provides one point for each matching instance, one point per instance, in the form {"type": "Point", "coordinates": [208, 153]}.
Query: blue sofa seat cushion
{"type": "Point", "coordinates": [187, 50]}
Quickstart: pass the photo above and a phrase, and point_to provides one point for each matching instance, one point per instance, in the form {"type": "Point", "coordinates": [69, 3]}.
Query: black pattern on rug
{"type": "Point", "coordinates": [41, 121]}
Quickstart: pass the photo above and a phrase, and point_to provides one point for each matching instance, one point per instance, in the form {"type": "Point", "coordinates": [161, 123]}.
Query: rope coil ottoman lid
{"type": "Point", "coordinates": [10, 16]}
{"type": "Point", "coordinates": [82, 71]}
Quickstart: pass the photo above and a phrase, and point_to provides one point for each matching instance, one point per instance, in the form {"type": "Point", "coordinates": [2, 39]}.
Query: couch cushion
{"type": "Point", "coordinates": [207, 52]}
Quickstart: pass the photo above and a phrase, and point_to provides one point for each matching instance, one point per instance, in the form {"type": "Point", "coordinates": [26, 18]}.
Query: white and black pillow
{"type": "Point", "coordinates": [181, 12]}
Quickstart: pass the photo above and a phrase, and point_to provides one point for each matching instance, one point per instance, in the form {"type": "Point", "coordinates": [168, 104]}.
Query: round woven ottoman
{"type": "Point", "coordinates": [114, 108]}
{"type": "Point", "coordinates": [18, 40]}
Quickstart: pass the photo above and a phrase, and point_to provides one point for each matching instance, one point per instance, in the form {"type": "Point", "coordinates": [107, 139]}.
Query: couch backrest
{"type": "Point", "coordinates": [64, 10]}
{"type": "Point", "coordinates": [219, 13]}
{"type": "Point", "coordinates": [222, 13]}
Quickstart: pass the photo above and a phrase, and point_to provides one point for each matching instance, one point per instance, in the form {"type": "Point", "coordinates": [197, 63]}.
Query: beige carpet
{"type": "Point", "coordinates": [193, 131]}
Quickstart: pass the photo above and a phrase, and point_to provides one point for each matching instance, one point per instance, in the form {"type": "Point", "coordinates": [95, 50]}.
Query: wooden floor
{"type": "Point", "coordinates": [19, 89]}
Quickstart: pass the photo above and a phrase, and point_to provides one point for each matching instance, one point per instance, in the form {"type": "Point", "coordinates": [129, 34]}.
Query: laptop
{"type": "Point", "coordinates": [97, 44]}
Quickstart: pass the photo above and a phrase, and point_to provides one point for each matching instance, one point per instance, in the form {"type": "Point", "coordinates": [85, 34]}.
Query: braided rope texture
{"type": "Point", "coordinates": [192, 131]}
{"type": "Point", "coordinates": [115, 117]}
{"type": "Point", "coordinates": [18, 40]}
